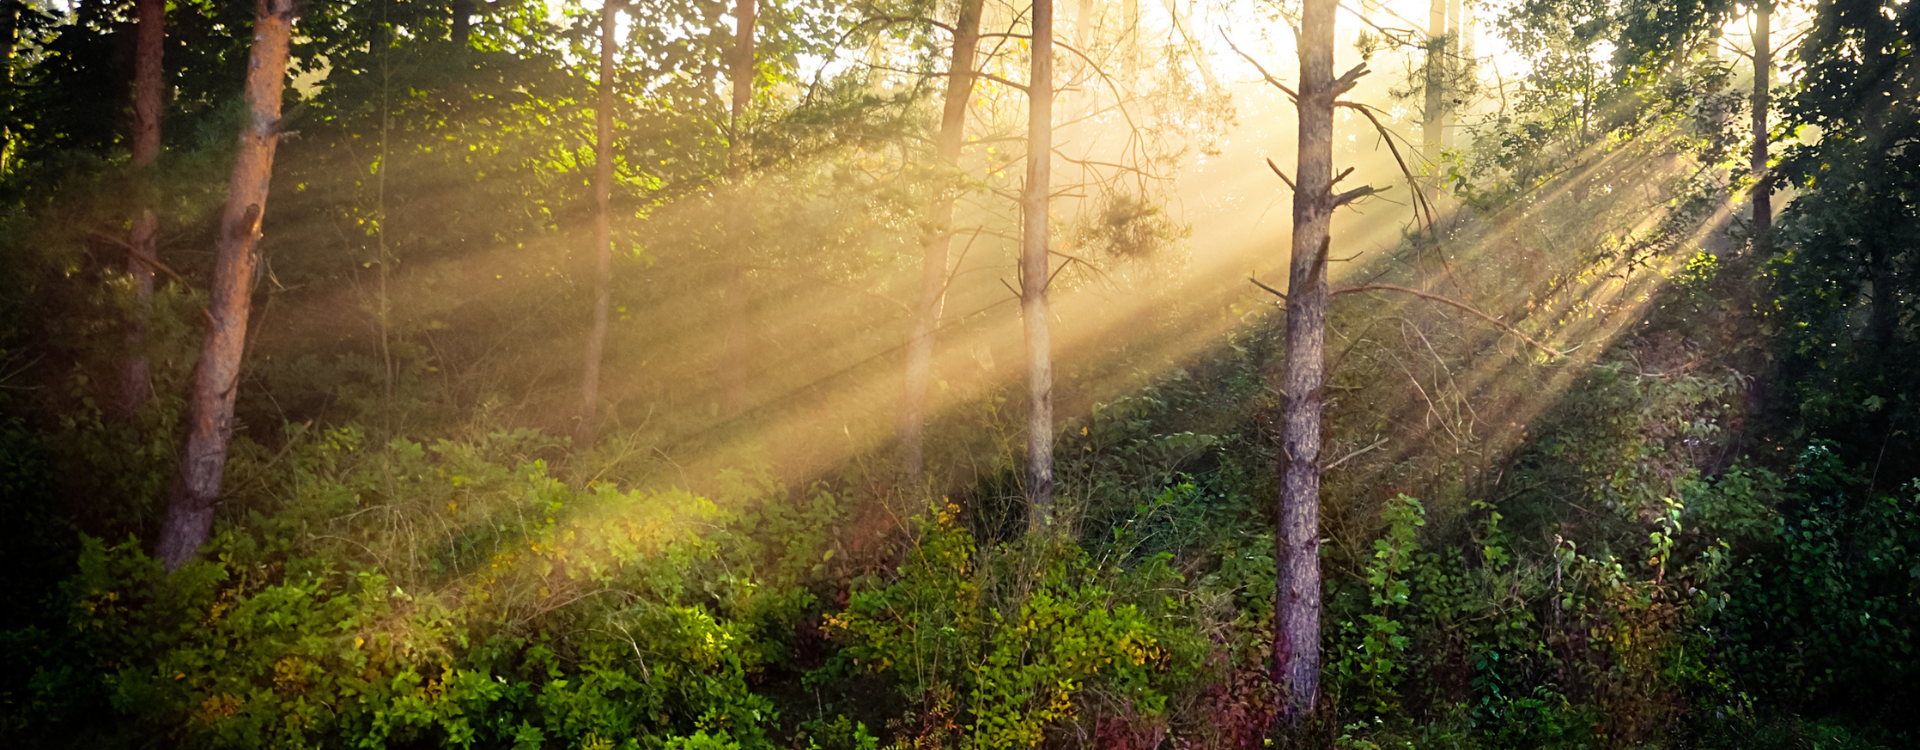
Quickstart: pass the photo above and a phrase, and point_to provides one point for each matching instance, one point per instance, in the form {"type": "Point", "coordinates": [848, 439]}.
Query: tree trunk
{"type": "Point", "coordinates": [737, 357]}
{"type": "Point", "coordinates": [217, 376]}
{"type": "Point", "coordinates": [1033, 273]}
{"type": "Point", "coordinates": [1433, 114]}
{"type": "Point", "coordinates": [136, 385]}
{"type": "Point", "coordinates": [1452, 114]}
{"type": "Point", "coordinates": [1884, 317]}
{"type": "Point", "coordinates": [1296, 642]}
{"type": "Point", "coordinates": [602, 229]}
{"type": "Point", "coordinates": [10, 17]}
{"type": "Point", "coordinates": [933, 265]}
{"type": "Point", "coordinates": [1762, 180]}
{"type": "Point", "coordinates": [462, 23]}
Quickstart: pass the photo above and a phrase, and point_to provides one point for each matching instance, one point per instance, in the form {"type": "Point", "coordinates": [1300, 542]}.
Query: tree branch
{"type": "Point", "coordinates": [1356, 194]}
{"type": "Point", "coordinates": [1283, 175]}
{"type": "Point", "coordinates": [1345, 458]}
{"type": "Point", "coordinates": [1443, 300]}
{"type": "Point", "coordinates": [1276, 292]}
{"type": "Point", "coordinates": [154, 262]}
{"type": "Point", "coordinates": [1291, 94]}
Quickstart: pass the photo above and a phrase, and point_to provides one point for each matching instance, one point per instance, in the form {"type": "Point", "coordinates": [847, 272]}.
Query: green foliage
{"type": "Point", "coordinates": [1000, 646]}
{"type": "Point", "coordinates": [1821, 617]}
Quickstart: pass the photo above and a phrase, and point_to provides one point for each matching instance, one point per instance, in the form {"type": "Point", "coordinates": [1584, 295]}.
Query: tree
{"type": "Point", "coordinates": [135, 384]}
{"type": "Point", "coordinates": [933, 264]}
{"type": "Point", "coordinates": [1762, 180]}
{"type": "Point", "coordinates": [1034, 272]}
{"type": "Point", "coordinates": [734, 370]}
{"type": "Point", "coordinates": [1433, 115]}
{"type": "Point", "coordinates": [216, 378]}
{"type": "Point", "coordinates": [602, 226]}
{"type": "Point", "coordinates": [1296, 634]}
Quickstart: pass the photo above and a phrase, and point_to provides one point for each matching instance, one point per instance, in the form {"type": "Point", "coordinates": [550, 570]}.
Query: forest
{"type": "Point", "coordinates": [861, 374]}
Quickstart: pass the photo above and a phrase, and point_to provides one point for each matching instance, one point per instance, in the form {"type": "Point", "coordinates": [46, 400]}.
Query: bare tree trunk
{"type": "Point", "coordinates": [1454, 27]}
{"type": "Point", "coordinates": [933, 265]}
{"type": "Point", "coordinates": [1296, 642]}
{"type": "Point", "coordinates": [737, 357]}
{"type": "Point", "coordinates": [1884, 317]}
{"type": "Point", "coordinates": [1762, 181]}
{"type": "Point", "coordinates": [1433, 115]}
{"type": "Point", "coordinates": [10, 16]}
{"type": "Point", "coordinates": [1033, 273]}
{"type": "Point", "coordinates": [602, 229]}
{"type": "Point", "coordinates": [136, 385]}
{"type": "Point", "coordinates": [217, 376]}
{"type": "Point", "coordinates": [462, 22]}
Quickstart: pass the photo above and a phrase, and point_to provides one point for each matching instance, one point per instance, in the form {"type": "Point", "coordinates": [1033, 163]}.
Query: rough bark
{"type": "Point", "coordinates": [734, 370]}
{"type": "Point", "coordinates": [1296, 643]}
{"type": "Point", "coordinates": [1033, 273]}
{"type": "Point", "coordinates": [1762, 180]}
{"type": "Point", "coordinates": [602, 230]}
{"type": "Point", "coordinates": [136, 385]}
{"type": "Point", "coordinates": [933, 264]}
{"type": "Point", "coordinates": [217, 376]}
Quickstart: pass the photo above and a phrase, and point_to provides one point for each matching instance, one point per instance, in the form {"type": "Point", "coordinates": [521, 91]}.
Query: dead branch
{"type": "Point", "coordinates": [1276, 292]}
{"type": "Point", "coordinates": [1345, 458]}
{"type": "Point", "coordinates": [154, 262]}
{"type": "Point", "coordinates": [1283, 175]}
{"type": "Point", "coordinates": [1445, 301]}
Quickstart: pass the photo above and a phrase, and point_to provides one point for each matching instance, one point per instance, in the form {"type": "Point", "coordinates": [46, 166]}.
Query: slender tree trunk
{"type": "Point", "coordinates": [1452, 114]}
{"type": "Point", "coordinates": [933, 265]}
{"type": "Point", "coordinates": [10, 18]}
{"type": "Point", "coordinates": [136, 385]}
{"type": "Point", "coordinates": [1296, 643]}
{"type": "Point", "coordinates": [1033, 272]}
{"type": "Point", "coordinates": [1762, 180]}
{"type": "Point", "coordinates": [1885, 315]}
{"type": "Point", "coordinates": [462, 22]}
{"type": "Point", "coordinates": [1433, 116]}
{"type": "Point", "coordinates": [737, 356]}
{"type": "Point", "coordinates": [602, 229]}
{"type": "Point", "coordinates": [217, 376]}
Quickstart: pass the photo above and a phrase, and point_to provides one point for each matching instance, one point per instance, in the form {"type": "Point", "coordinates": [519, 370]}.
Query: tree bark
{"type": "Point", "coordinates": [737, 357]}
{"type": "Point", "coordinates": [1762, 180]}
{"type": "Point", "coordinates": [136, 385]}
{"type": "Point", "coordinates": [1296, 643]}
{"type": "Point", "coordinates": [1033, 273]}
{"type": "Point", "coordinates": [933, 264]}
{"type": "Point", "coordinates": [602, 230]}
{"type": "Point", "coordinates": [217, 376]}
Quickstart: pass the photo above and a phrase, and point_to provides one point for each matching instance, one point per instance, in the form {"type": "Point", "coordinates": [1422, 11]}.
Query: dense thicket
{"type": "Point", "coordinates": [1599, 463]}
